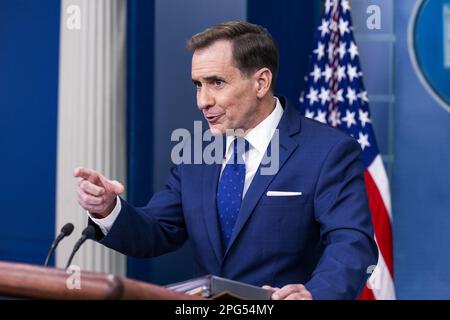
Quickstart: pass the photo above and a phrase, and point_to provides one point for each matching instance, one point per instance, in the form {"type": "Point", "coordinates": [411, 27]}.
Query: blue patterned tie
{"type": "Point", "coordinates": [230, 190]}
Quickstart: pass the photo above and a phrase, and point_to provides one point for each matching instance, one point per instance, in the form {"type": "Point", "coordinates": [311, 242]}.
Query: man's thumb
{"type": "Point", "coordinates": [117, 187]}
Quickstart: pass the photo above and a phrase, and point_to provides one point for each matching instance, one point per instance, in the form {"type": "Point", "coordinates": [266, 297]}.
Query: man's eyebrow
{"type": "Point", "coordinates": [209, 79]}
{"type": "Point", "coordinates": [213, 77]}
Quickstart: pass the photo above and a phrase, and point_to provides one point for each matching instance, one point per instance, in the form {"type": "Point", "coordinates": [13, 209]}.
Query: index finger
{"type": "Point", "coordinates": [86, 173]}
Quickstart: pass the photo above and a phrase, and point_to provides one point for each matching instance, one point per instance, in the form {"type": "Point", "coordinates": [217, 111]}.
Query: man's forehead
{"type": "Point", "coordinates": [209, 67]}
{"type": "Point", "coordinates": [216, 59]}
{"type": "Point", "coordinates": [220, 45]}
{"type": "Point", "coordinates": [219, 52]}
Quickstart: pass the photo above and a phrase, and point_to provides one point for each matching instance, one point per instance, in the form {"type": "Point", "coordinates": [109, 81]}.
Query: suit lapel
{"type": "Point", "coordinates": [289, 125]}
{"type": "Point", "coordinates": [210, 181]}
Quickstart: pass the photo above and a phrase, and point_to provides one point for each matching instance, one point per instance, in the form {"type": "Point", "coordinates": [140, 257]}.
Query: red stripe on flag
{"type": "Point", "coordinates": [367, 294]}
{"type": "Point", "coordinates": [381, 221]}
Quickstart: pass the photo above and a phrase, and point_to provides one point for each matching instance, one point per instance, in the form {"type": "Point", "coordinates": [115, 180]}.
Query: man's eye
{"type": "Point", "coordinates": [218, 82]}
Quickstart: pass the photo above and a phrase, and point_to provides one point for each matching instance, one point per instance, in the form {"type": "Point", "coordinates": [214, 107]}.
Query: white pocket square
{"type": "Point", "coordinates": [283, 193]}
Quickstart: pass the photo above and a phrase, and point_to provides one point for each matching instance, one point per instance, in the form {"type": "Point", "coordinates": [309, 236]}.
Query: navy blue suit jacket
{"type": "Point", "coordinates": [323, 238]}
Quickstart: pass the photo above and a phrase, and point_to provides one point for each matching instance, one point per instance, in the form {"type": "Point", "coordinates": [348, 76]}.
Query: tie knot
{"type": "Point", "coordinates": [240, 146]}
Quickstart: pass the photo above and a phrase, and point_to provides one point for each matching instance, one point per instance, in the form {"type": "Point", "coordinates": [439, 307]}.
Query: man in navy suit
{"type": "Point", "coordinates": [304, 232]}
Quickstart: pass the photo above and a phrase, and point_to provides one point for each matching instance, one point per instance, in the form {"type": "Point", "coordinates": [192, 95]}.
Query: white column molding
{"type": "Point", "coordinates": [91, 116]}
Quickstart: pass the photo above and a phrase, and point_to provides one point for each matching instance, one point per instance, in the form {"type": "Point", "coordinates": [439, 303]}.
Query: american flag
{"type": "Point", "coordinates": [335, 94]}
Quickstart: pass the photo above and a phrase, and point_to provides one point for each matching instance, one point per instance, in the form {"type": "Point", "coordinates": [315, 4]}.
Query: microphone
{"type": "Point", "coordinates": [88, 233]}
{"type": "Point", "coordinates": [66, 230]}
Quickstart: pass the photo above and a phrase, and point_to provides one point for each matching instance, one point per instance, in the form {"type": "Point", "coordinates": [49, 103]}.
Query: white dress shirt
{"type": "Point", "coordinates": [258, 138]}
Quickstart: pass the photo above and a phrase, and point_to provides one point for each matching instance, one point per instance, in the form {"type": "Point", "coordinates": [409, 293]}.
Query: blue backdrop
{"type": "Point", "coordinates": [29, 49]}
{"type": "Point", "coordinates": [421, 182]}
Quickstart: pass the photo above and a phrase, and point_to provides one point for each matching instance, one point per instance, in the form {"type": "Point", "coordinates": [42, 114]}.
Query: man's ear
{"type": "Point", "coordinates": [263, 81]}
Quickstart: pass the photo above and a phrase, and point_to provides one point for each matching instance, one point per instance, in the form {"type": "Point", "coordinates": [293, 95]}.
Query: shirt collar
{"type": "Point", "coordinates": [259, 137]}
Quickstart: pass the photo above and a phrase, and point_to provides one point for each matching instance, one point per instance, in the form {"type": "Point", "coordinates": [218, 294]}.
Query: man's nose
{"type": "Point", "coordinates": [205, 98]}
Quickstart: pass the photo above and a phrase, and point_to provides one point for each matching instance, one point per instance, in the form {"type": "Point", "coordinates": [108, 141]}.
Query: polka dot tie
{"type": "Point", "coordinates": [230, 190]}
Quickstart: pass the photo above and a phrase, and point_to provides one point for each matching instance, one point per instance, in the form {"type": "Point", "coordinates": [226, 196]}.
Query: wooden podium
{"type": "Point", "coordinates": [19, 280]}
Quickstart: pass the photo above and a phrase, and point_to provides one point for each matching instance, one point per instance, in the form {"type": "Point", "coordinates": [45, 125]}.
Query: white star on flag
{"type": "Point", "coordinates": [351, 72]}
{"type": "Point", "coordinates": [338, 97]}
{"type": "Point", "coordinates": [343, 27]}
{"type": "Point", "coordinates": [321, 116]}
{"type": "Point", "coordinates": [353, 50]}
{"type": "Point", "coordinates": [317, 73]}
{"type": "Point", "coordinates": [309, 114]}
{"type": "Point", "coordinates": [351, 96]}
{"type": "Point", "coordinates": [345, 5]}
{"type": "Point", "coordinates": [324, 27]}
{"type": "Point", "coordinates": [312, 96]}
{"type": "Point", "coordinates": [333, 26]}
{"type": "Point", "coordinates": [349, 118]}
{"type": "Point", "coordinates": [327, 73]}
{"type": "Point", "coordinates": [328, 6]}
{"type": "Point", "coordinates": [341, 73]}
{"type": "Point", "coordinates": [342, 50]}
{"type": "Point", "coordinates": [363, 96]}
{"type": "Point", "coordinates": [324, 95]}
{"type": "Point", "coordinates": [364, 117]}
{"type": "Point", "coordinates": [320, 51]}
{"type": "Point", "coordinates": [363, 140]}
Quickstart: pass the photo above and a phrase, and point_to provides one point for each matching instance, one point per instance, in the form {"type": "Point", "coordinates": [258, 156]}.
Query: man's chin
{"type": "Point", "coordinates": [220, 130]}
{"type": "Point", "coordinates": [217, 130]}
